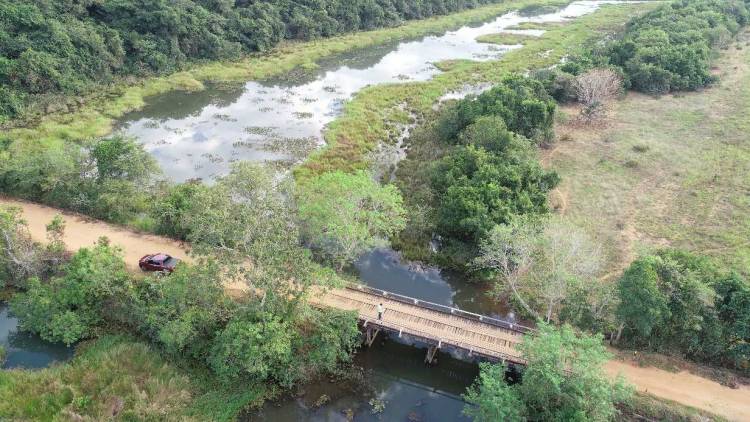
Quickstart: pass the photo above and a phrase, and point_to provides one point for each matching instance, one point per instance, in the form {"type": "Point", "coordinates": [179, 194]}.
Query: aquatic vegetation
{"type": "Point", "coordinates": [370, 117]}
{"type": "Point", "coordinates": [505, 38]}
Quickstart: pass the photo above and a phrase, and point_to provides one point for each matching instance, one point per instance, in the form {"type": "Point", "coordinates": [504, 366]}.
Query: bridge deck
{"type": "Point", "coordinates": [439, 325]}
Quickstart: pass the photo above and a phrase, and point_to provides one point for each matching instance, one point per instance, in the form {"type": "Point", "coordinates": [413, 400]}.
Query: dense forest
{"type": "Point", "coordinates": [65, 47]}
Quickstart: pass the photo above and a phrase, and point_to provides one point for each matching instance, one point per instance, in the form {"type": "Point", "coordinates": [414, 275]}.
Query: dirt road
{"type": "Point", "coordinates": [686, 388]}
{"type": "Point", "coordinates": [81, 231]}
{"type": "Point", "coordinates": [681, 387]}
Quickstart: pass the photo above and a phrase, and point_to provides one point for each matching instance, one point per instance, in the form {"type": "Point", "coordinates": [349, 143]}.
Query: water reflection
{"type": "Point", "coordinates": [25, 350]}
{"type": "Point", "coordinates": [384, 269]}
{"type": "Point", "coordinates": [397, 377]}
{"type": "Point", "coordinates": [198, 135]}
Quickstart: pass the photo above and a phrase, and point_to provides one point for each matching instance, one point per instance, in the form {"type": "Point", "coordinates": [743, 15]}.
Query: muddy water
{"type": "Point", "coordinates": [24, 350]}
{"type": "Point", "coordinates": [198, 135]}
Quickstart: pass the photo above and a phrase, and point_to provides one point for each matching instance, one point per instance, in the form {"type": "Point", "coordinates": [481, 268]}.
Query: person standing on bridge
{"type": "Point", "coordinates": [380, 311]}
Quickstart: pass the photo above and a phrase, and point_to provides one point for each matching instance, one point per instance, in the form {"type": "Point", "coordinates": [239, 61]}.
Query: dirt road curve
{"type": "Point", "coordinates": [681, 387]}
{"type": "Point", "coordinates": [686, 388]}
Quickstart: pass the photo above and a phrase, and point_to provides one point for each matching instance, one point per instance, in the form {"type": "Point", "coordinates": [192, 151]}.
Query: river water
{"type": "Point", "coordinates": [199, 134]}
{"type": "Point", "coordinates": [25, 350]}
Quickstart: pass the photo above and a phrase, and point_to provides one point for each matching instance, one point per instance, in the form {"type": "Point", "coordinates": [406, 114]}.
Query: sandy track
{"type": "Point", "coordinates": [686, 388]}
{"type": "Point", "coordinates": [81, 231]}
{"type": "Point", "coordinates": [681, 387]}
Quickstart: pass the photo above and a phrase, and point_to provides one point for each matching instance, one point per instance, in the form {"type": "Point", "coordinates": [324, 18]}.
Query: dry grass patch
{"type": "Point", "coordinates": [668, 171]}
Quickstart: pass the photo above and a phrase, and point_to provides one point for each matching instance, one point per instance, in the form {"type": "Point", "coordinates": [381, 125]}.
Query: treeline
{"type": "Point", "coordinates": [667, 49]}
{"type": "Point", "coordinates": [52, 47]}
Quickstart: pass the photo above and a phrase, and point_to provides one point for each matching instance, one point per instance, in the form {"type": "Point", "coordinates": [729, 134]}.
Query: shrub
{"type": "Point", "coordinates": [678, 302]}
{"type": "Point", "coordinates": [68, 308]}
{"type": "Point", "coordinates": [669, 48]}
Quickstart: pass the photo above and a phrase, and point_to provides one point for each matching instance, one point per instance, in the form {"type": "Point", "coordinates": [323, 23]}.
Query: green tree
{"type": "Point", "coordinates": [563, 381]}
{"type": "Point", "coordinates": [733, 307]}
{"type": "Point", "coordinates": [642, 307]}
{"type": "Point", "coordinates": [491, 399]}
{"type": "Point", "coordinates": [477, 189]}
{"type": "Point", "coordinates": [344, 214]}
{"type": "Point", "coordinates": [68, 308]}
{"type": "Point", "coordinates": [256, 348]}
{"type": "Point", "coordinates": [184, 311]}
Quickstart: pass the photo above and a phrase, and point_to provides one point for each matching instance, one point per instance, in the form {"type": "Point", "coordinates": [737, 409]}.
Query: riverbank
{"type": "Point", "coordinates": [97, 114]}
{"type": "Point", "coordinates": [120, 377]}
{"type": "Point", "coordinates": [376, 114]}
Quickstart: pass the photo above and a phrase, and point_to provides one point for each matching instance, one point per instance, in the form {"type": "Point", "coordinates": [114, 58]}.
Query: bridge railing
{"type": "Point", "coordinates": [442, 308]}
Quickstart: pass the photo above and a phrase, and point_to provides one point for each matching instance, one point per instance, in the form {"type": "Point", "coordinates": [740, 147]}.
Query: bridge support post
{"type": "Point", "coordinates": [431, 353]}
{"type": "Point", "coordinates": [370, 334]}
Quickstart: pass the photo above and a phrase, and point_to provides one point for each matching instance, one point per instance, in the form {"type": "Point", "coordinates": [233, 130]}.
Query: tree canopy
{"type": "Point", "coordinates": [67, 47]}
{"type": "Point", "coordinates": [562, 381]}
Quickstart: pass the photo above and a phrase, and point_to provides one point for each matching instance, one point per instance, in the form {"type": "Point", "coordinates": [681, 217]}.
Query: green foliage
{"type": "Point", "coordinates": [182, 312]}
{"type": "Point", "coordinates": [265, 347]}
{"type": "Point", "coordinates": [733, 308]}
{"type": "Point", "coordinates": [493, 174]}
{"type": "Point", "coordinates": [68, 47]}
{"type": "Point", "coordinates": [108, 178]}
{"type": "Point", "coordinates": [522, 103]}
{"type": "Point", "coordinates": [492, 399]}
{"type": "Point", "coordinates": [669, 48]}
{"type": "Point", "coordinates": [676, 301]}
{"type": "Point", "coordinates": [344, 214]}
{"type": "Point", "coordinates": [255, 348]}
{"type": "Point", "coordinates": [68, 308]}
{"type": "Point", "coordinates": [173, 209]}
{"type": "Point", "coordinates": [563, 381]}
{"type": "Point", "coordinates": [478, 188]}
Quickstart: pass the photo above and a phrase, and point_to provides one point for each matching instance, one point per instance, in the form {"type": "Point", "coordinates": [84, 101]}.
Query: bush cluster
{"type": "Point", "coordinates": [188, 315]}
{"type": "Point", "coordinates": [49, 47]}
{"type": "Point", "coordinates": [667, 49]}
{"type": "Point", "coordinates": [674, 301]}
{"type": "Point", "coordinates": [492, 174]}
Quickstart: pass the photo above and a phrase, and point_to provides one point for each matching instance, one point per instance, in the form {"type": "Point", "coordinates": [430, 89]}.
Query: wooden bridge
{"type": "Point", "coordinates": [439, 326]}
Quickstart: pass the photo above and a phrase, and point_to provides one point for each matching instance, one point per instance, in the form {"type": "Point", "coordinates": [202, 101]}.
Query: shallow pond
{"type": "Point", "coordinates": [198, 135]}
{"type": "Point", "coordinates": [25, 350]}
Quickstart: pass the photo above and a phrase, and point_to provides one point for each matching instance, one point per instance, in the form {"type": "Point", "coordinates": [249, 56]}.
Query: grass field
{"type": "Point", "coordinates": [119, 378]}
{"type": "Point", "coordinates": [97, 114]}
{"type": "Point", "coordinates": [669, 171]}
{"type": "Point", "coordinates": [375, 113]}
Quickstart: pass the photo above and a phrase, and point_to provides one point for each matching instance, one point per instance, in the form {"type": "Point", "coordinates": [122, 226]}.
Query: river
{"type": "Point", "coordinates": [197, 135]}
